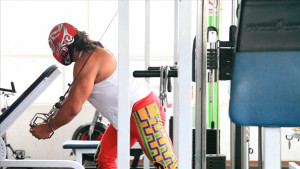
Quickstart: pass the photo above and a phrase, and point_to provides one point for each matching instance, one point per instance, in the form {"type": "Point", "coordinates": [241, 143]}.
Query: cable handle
{"type": "Point", "coordinates": [44, 117]}
{"type": "Point", "coordinates": [170, 68]}
{"type": "Point", "coordinates": [161, 87]}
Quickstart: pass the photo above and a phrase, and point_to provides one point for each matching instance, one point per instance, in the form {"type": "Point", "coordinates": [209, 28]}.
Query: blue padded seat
{"type": "Point", "coordinates": [265, 88]}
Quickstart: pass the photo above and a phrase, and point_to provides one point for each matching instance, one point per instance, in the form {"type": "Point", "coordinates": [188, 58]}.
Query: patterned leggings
{"type": "Point", "coordinates": [146, 127]}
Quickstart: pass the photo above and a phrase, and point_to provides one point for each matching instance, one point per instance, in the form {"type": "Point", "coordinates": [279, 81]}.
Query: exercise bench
{"type": "Point", "coordinates": [89, 147]}
{"type": "Point", "coordinates": [16, 109]}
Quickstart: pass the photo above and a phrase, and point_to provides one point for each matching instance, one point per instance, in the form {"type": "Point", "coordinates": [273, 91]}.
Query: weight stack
{"type": "Point", "coordinates": [214, 161]}
{"type": "Point", "coordinates": [211, 141]}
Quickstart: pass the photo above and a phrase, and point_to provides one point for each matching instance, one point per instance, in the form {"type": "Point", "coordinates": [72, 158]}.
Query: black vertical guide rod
{"type": "Point", "coordinates": [260, 159]}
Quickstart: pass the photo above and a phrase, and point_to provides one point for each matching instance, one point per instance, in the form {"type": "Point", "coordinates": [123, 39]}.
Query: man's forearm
{"type": "Point", "coordinates": [64, 115]}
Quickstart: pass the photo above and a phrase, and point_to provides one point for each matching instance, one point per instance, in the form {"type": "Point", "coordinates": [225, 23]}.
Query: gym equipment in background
{"type": "Point", "coordinates": [6, 93]}
{"type": "Point", "coordinates": [16, 109]}
{"type": "Point", "coordinates": [93, 131]}
{"type": "Point", "coordinates": [90, 131]}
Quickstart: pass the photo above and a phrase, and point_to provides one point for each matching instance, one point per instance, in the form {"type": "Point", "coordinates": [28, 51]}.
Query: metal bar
{"type": "Point", "coordinates": [184, 86]}
{"type": "Point", "coordinates": [245, 135]}
{"type": "Point", "coordinates": [260, 163]}
{"type": "Point", "coordinates": [147, 35]}
{"type": "Point", "coordinates": [217, 79]}
{"type": "Point", "coordinates": [271, 145]}
{"type": "Point", "coordinates": [176, 94]}
{"type": "Point", "coordinates": [232, 145]}
{"type": "Point", "coordinates": [218, 107]}
{"type": "Point", "coordinates": [233, 12]}
{"type": "Point", "coordinates": [201, 80]}
{"type": "Point", "coordinates": [232, 125]}
{"type": "Point", "coordinates": [123, 87]}
{"type": "Point", "coordinates": [41, 163]}
{"type": "Point", "coordinates": [153, 73]}
{"type": "Point", "coordinates": [146, 162]}
{"type": "Point", "coordinates": [293, 165]}
{"type": "Point", "coordinates": [211, 80]}
{"type": "Point", "coordinates": [158, 68]}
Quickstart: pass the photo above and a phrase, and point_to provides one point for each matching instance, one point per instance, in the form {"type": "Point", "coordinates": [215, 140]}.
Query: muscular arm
{"type": "Point", "coordinates": [96, 69]}
{"type": "Point", "coordinates": [78, 94]}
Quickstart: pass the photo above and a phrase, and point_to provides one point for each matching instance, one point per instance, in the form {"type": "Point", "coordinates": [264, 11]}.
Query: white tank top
{"type": "Point", "coordinates": [104, 96]}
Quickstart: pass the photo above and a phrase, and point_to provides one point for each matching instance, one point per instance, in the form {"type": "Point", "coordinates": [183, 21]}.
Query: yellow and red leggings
{"type": "Point", "coordinates": [146, 127]}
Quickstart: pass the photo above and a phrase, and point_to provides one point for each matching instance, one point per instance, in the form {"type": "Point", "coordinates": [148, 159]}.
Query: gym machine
{"type": "Point", "coordinates": [266, 58]}
{"type": "Point", "coordinates": [8, 117]}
